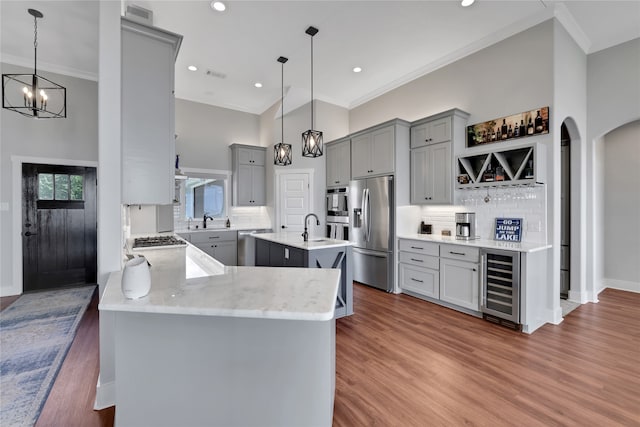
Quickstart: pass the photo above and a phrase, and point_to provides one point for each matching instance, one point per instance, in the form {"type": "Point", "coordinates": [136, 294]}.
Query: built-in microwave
{"type": "Point", "coordinates": [338, 204]}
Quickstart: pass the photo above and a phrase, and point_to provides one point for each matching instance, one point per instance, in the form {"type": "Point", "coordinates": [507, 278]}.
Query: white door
{"type": "Point", "coordinates": [295, 194]}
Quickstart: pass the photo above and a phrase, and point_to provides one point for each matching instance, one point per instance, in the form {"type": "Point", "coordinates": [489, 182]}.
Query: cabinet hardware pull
{"type": "Point", "coordinates": [416, 247]}
{"type": "Point", "coordinates": [416, 280]}
{"type": "Point", "coordinates": [457, 253]}
{"type": "Point", "coordinates": [416, 260]}
{"type": "Point", "coordinates": [28, 233]}
{"type": "Point", "coordinates": [214, 237]}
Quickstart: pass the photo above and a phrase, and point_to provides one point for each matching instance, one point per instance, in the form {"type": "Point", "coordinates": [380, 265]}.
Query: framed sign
{"type": "Point", "coordinates": [508, 229]}
{"type": "Point", "coordinates": [528, 123]}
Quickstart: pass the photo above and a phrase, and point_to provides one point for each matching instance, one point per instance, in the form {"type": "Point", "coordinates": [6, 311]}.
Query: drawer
{"type": "Point", "coordinates": [423, 281]}
{"type": "Point", "coordinates": [461, 252]}
{"type": "Point", "coordinates": [421, 260]}
{"type": "Point", "coordinates": [213, 236]}
{"type": "Point", "coordinates": [420, 247]}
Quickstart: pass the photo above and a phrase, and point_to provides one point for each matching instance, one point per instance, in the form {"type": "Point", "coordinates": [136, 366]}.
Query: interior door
{"type": "Point", "coordinates": [59, 245]}
{"type": "Point", "coordinates": [294, 201]}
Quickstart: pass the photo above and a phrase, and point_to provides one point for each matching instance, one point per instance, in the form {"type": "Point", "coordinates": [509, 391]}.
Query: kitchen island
{"type": "Point", "coordinates": [288, 249]}
{"type": "Point", "coordinates": [224, 346]}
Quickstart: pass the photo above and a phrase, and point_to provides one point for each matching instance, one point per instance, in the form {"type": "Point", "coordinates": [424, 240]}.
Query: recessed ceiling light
{"type": "Point", "coordinates": [466, 3]}
{"type": "Point", "coordinates": [219, 6]}
{"type": "Point", "coordinates": [258, 84]}
{"type": "Point", "coordinates": [357, 69]}
{"type": "Point", "coordinates": [192, 68]}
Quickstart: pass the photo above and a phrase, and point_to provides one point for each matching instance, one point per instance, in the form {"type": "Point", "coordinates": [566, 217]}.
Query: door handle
{"type": "Point", "coordinates": [28, 233]}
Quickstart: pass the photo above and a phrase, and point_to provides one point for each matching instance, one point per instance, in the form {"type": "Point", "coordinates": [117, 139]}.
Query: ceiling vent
{"type": "Point", "coordinates": [217, 74]}
{"type": "Point", "coordinates": [139, 14]}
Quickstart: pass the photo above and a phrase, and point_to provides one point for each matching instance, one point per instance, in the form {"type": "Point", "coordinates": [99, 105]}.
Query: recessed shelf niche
{"type": "Point", "coordinates": [521, 166]}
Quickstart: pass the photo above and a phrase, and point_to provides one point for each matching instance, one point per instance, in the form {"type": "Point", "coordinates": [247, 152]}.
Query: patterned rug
{"type": "Point", "coordinates": [36, 332]}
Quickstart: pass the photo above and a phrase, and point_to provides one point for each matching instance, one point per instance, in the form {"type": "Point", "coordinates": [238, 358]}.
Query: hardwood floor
{"type": "Point", "coordinates": [401, 361]}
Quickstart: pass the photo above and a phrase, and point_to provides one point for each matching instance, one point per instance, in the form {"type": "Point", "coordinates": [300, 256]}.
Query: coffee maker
{"type": "Point", "coordinates": [466, 226]}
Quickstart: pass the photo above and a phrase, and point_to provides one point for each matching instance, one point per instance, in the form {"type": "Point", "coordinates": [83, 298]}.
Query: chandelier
{"type": "Point", "coordinates": [30, 94]}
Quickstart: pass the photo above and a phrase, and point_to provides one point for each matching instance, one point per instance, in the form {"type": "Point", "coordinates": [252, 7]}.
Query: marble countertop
{"type": "Point", "coordinates": [295, 240]}
{"type": "Point", "coordinates": [479, 243]}
{"type": "Point", "coordinates": [185, 280]}
{"type": "Point", "coordinates": [215, 228]}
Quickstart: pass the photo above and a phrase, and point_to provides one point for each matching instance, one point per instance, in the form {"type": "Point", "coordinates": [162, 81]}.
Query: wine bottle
{"type": "Point", "coordinates": [538, 123]}
{"type": "Point", "coordinates": [504, 129]}
{"type": "Point", "coordinates": [523, 129]}
{"type": "Point", "coordinates": [493, 134]}
{"type": "Point", "coordinates": [530, 127]}
{"type": "Point", "coordinates": [528, 172]}
{"type": "Point", "coordinates": [488, 175]}
{"type": "Point", "coordinates": [500, 173]}
{"type": "Point", "coordinates": [510, 132]}
{"type": "Point", "coordinates": [516, 130]}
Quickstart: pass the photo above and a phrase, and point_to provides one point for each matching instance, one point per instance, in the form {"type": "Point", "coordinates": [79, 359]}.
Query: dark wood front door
{"type": "Point", "coordinates": [59, 245]}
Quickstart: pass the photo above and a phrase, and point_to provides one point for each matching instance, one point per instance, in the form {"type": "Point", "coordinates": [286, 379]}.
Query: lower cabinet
{"type": "Point", "coordinates": [273, 254]}
{"type": "Point", "coordinates": [443, 273]}
{"type": "Point", "coordinates": [459, 283]}
{"type": "Point", "coordinates": [219, 244]}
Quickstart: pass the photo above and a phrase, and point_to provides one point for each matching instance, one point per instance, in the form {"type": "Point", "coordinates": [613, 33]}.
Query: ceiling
{"type": "Point", "coordinates": [393, 41]}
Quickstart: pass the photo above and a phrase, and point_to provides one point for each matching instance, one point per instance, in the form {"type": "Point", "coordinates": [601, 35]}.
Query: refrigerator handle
{"type": "Point", "coordinates": [368, 214]}
{"type": "Point", "coordinates": [364, 214]}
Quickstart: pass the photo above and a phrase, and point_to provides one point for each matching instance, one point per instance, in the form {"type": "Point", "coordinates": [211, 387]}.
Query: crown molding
{"type": "Point", "coordinates": [564, 17]}
{"type": "Point", "coordinates": [46, 66]}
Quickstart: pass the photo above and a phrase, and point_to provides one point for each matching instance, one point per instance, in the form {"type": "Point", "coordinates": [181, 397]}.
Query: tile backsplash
{"type": "Point", "coordinates": [528, 203]}
{"type": "Point", "coordinates": [242, 217]}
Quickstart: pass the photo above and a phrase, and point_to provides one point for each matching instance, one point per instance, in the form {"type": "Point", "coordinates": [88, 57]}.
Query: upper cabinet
{"type": "Point", "coordinates": [148, 115]}
{"type": "Point", "coordinates": [249, 175]}
{"type": "Point", "coordinates": [431, 132]}
{"type": "Point", "coordinates": [338, 162]}
{"type": "Point", "coordinates": [432, 144]}
{"type": "Point", "coordinates": [373, 151]}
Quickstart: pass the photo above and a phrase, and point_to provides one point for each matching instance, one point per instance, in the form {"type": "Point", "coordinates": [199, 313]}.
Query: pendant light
{"type": "Point", "coordinates": [30, 94]}
{"type": "Point", "coordinates": [282, 151]}
{"type": "Point", "coordinates": [312, 139]}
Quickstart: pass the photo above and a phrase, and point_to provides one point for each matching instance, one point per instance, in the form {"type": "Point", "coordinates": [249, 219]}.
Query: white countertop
{"type": "Point", "coordinates": [215, 228]}
{"type": "Point", "coordinates": [295, 240]}
{"type": "Point", "coordinates": [480, 243]}
{"type": "Point", "coordinates": [185, 280]}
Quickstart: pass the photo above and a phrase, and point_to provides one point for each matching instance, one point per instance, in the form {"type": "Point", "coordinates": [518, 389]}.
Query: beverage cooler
{"type": "Point", "coordinates": [501, 286]}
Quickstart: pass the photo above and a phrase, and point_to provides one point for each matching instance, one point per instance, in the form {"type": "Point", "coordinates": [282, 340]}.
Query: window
{"type": "Point", "coordinates": [205, 195]}
{"type": "Point", "coordinates": [55, 186]}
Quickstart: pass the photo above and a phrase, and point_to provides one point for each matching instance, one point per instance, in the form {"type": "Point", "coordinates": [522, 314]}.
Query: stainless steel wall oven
{"type": "Point", "coordinates": [337, 213]}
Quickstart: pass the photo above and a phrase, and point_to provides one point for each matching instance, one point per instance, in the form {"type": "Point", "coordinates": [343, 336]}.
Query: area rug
{"type": "Point", "coordinates": [36, 332]}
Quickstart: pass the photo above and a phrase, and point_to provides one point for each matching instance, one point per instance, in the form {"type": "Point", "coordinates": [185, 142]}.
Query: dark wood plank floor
{"type": "Point", "coordinates": [401, 361]}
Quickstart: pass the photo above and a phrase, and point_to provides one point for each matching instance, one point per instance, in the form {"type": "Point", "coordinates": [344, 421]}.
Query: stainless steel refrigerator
{"type": "Point", "coordinates": [372, 231]}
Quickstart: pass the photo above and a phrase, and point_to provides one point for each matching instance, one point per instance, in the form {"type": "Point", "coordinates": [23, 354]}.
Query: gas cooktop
{"type": "Point", "coordinates": [157, 242]}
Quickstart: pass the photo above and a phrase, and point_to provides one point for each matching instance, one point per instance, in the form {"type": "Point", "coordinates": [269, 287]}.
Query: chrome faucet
{"type": "Point", "coordinates": [204, 220]}
{"type": "Point", "coordinates": [305, 235]}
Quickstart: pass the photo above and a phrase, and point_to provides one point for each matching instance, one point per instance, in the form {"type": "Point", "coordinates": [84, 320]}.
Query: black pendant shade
{"type": "Point", "coordinates": [282, 151]}
{"type": "Point", "coordinates": [312, 139]}
{"type": "Point", "coordinates": [30, 94]}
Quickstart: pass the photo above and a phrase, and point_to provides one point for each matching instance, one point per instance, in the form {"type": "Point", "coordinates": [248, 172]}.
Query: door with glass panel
{"type": "Point", "coordinates": [59, 246]}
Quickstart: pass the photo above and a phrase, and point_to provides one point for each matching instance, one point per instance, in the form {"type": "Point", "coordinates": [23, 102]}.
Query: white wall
{"type": "Point", "coordinates": [205, 133]}
{"type": "Point", "coordinates": [622, 207]}
{"type": "Point", "coordinates": [570, 105]}
{"type": "Point", "coordinates": [74, 138]}
{"type": "Point", "coordinates": [613, 99]}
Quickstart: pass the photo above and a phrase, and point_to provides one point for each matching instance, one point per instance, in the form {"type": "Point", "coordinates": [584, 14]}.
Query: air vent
{"type": "Point", "coordinates": [139, 14]}
{"type": "Point", "coordinates": [217, 74]}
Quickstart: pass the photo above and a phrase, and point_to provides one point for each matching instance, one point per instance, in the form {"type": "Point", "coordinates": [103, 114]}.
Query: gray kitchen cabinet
{"type": "Point", "coordinates": [338, 162]}
{"type": "Point", "coordinates": [249, 175]}
{"type": "Point", "coordinates": [442, 273]}
{"type": "Point", "coordinates": [431, 132]}
{"type": "Point", "coordinates": [433, 141]}
{"type": "Point", "coordinates": [373, 152]}
{"type": "Point", "coordinates": [273, 254]}
{"type": "Point", "coordinates": [431, 174]}
{"type": "Point", "coordinates": [460, 283]}
{"type": "Point", "coordinates": [219, 244]}
{"type": "Point", "coordinates": [147, 113]}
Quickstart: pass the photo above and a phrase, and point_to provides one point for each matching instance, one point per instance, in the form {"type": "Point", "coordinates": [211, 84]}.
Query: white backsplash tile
{"type": "Point", "coordinates": [528, 203]}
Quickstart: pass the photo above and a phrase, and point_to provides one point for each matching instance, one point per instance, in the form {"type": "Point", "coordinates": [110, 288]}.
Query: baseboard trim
{"type": "Point", "coordinates": [105, 395]}
{"type": "Point", "coordinates": [622, 285]}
